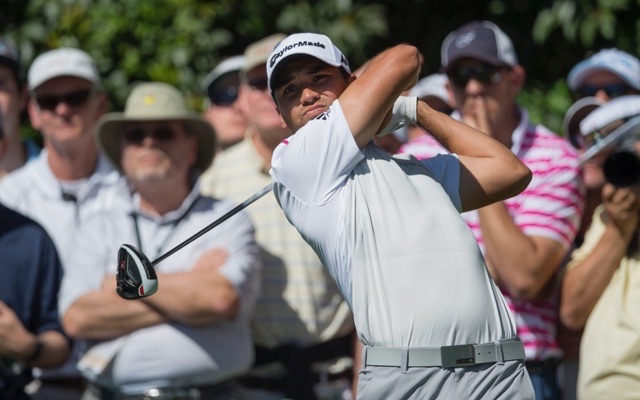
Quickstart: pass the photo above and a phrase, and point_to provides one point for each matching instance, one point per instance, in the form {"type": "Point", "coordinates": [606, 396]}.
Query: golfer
{"type": "Point", "coordinates": [389, 230]}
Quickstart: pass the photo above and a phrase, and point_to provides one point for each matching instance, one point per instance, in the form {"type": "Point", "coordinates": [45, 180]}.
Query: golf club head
{"type": "Point", "coordinates": [135, 277]}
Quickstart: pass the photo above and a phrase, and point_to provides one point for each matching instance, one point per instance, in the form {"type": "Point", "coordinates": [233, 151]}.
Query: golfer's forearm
{"type": "Point", "coordinates": [489, 171]}
{"type": "Point", "coordinates": [462, 139]}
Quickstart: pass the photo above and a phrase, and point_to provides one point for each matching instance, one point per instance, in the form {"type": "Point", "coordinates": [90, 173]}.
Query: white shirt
{"type": "Point", "coordinates": [390, 233]}
{"type": "Point", "coordinates": [34, 190]}
{"type": "Point", "coordinates": [171, 352]}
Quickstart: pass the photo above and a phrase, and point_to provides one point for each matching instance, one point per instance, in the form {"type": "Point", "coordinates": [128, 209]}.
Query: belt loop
{"type": "Point", "coordinates": [364, 356]}
{"type": "Point", "coordinates": [499, 353]}
{"type": "Point", "coordinates": [404, 360]}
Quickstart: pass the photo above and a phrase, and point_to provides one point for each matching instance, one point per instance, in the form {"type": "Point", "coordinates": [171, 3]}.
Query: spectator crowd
{"type": "Point", "coordinates": [258, 308]}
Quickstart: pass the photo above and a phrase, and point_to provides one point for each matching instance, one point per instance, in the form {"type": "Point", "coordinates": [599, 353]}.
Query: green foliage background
{"type": "Point", "coordinates": [179, 41]}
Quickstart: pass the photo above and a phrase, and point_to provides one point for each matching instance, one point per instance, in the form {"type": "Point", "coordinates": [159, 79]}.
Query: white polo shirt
{"type": "Point", "coordinates": [390, 232]}
{"type": "Point", "coordinates": [173, 352]}
{"type": "Point", "coordinates": [34, 190]}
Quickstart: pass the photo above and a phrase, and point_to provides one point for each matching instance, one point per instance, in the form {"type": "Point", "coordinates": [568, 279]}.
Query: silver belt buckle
{"type": "Point", "coordinates": [462, 355]}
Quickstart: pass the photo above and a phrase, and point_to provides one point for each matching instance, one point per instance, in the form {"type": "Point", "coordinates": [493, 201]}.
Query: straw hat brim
{"type": "Point", "coordinates": [109, 132]}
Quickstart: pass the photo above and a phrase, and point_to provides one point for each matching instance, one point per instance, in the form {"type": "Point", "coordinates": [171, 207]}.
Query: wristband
{"type": "Point", "coordinates": [36, 351]}
{"type": "Point", "coordinates": [404, 113]}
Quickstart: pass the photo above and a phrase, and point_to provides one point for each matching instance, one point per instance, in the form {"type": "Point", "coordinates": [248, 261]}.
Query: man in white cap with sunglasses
{"type": "Point", "coordinates": [192, 338]}
{"type": "Point", "coordinates": [221, 109]}
{"type": "Point", "coordinates": [388, 229]}
{"type": "Point", "coordinates": [58, 188]}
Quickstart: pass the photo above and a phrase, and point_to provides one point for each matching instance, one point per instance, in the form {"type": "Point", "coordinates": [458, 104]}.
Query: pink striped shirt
{"type": "Point", "coordinates": [549, 207]}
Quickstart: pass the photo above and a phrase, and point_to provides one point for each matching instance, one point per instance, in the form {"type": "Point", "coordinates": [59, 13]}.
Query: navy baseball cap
{"type": "Point", "coordinates": [480, 40]}
{"type": "Point", "coordinates": [10, 57]}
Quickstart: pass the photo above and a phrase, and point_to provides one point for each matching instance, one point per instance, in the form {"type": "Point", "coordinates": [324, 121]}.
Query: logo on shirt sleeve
{"type": "Point", "coordinates": [324, 116]}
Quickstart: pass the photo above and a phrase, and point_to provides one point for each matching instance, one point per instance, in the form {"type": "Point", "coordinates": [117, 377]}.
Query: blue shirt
{"type": "Point", "coordinates": [30, 276]}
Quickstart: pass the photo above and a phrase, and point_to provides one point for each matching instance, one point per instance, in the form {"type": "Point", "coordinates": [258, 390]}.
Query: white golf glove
{"type": "Point", "coordinates": [404, 113]}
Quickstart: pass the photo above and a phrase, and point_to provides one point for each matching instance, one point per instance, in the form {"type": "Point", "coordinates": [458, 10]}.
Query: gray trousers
{"type": "Point", "coordinates": [482, 382]}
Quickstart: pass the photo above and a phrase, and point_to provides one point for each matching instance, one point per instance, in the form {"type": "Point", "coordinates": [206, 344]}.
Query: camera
{"type": "Point", "coordinates": [622, 167]}
{"type": "Point", "coordinates": [612, 131]}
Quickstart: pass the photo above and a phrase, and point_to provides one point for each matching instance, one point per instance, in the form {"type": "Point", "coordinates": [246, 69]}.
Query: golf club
{"type": "Point", "coordinates": [136, 278]}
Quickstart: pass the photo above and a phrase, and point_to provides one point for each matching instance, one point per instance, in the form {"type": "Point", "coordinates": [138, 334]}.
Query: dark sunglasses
{"type": "Point", "coordinates": [73, 99]}
{"type": "Point", "coordinates": [260, 84]}
{"type": "Point", "coordinates": [225, 96]}
{"type": "Point", "coordinates": [483, 73]}
{"type": "Point", "coordinates": [612, 90]}
{"type": "Point", "coordinates": [136, 134]}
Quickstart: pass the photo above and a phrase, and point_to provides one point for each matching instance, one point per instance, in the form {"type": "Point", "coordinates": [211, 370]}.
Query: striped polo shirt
{"type": "Point", "coordinates": [549, 207]}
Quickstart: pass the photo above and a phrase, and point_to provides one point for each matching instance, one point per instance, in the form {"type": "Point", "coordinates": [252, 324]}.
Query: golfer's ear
{"type": "Point", "coordinates": [282, 123]}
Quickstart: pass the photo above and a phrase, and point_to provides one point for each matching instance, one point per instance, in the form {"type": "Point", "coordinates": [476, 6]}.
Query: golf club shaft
{"type": "Point", "coordinates": [217, 222]}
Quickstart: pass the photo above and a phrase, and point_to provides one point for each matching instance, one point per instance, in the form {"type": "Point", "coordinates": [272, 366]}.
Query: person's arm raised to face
{"type": "Point", "coordinates": [367, 101]}
{"type": "Point", "coordinates": [489, 171]}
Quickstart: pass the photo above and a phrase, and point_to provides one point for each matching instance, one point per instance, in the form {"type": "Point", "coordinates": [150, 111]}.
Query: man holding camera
{"type": "Point", "coordinates": [601, 289]}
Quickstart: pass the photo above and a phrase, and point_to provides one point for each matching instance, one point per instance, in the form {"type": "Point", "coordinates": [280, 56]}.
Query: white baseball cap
{"type": "Point", "coordinates": [230, 65]}
{"type": "Point", "coordinates": [616, 61]}
{"type": "Point", "coordinates": [304, 44]}
{"type": "Point", "coordinates": [62, 62]}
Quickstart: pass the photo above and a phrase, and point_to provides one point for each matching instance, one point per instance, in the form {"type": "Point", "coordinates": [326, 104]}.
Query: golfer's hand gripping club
{"type": "Point", "coordinates": [136, 277]}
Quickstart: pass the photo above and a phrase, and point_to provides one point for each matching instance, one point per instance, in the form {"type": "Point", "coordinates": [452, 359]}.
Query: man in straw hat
{"type": "Point", "coordinates": [191, 338]}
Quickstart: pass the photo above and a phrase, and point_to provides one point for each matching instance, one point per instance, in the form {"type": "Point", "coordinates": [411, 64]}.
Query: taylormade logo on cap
{"type": "Point", "coordinates": [311, 44]}
{"type": "Point", "coordinates": [274, 57]}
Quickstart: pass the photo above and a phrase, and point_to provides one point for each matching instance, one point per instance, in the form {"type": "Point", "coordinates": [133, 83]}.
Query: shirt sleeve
{"type": "Point", "coordinates": [445, 169]}
{"type": "Point", "coordinates": [243, 266]}
{"type": "Point", "coordinates": [318, 158]}
{"type": "Point", "coordinates": [85, 270]}
{"type": "Point", "coordinates": [50, 276]}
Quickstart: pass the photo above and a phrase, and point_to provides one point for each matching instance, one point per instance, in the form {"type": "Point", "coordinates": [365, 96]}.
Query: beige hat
{"type": "Point", "coordinates": [155, 101]}
{"type": "Point", "coordinates": [258, 52]}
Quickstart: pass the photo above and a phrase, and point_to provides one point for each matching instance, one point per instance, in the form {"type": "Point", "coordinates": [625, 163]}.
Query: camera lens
{"type": "Point", "coordinates": [622, 169]}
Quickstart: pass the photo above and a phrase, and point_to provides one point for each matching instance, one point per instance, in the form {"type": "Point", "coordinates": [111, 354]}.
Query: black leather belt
{"type": "Point", "coordinates": [298, 381]}
{"type": "Point", "coordinates": [220, 390]}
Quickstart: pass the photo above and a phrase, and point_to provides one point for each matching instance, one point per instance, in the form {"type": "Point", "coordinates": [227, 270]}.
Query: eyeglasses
{"type": "Point", "coordinates": [483, 73]}
{"type": "Point", "coordinates": [136, 134]}
{"type": "Point", "coordinates": [258, 84]}
{"type": "Point", "coordinates": [225, 96]}
{"type": "Point", "coordinates": [612, 90]}
{"type": "Point", "coordinates": [73, 99]}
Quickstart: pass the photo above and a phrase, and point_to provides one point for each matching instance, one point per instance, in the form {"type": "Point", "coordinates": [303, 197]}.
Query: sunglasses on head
{"type": "Point", "coordinates": [260, 84]}
{"type": "Point", "coordinates": [484, 73]}
{"type": "Point", "coordinates": [136, 134]}
{"type": "Point", "coordinates": [73, 99]}
{"type": "Point", "coordinates": [612, 90]}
